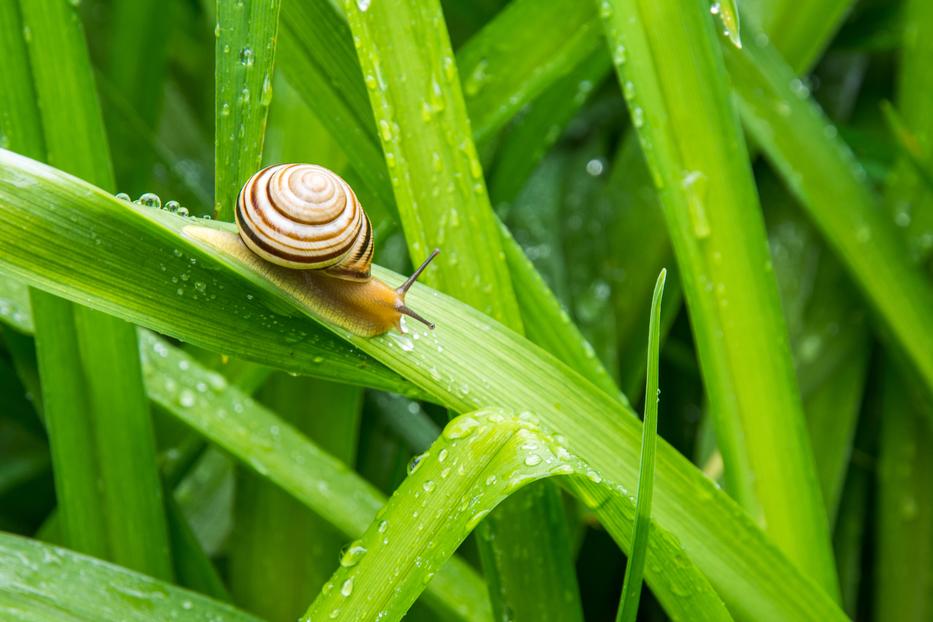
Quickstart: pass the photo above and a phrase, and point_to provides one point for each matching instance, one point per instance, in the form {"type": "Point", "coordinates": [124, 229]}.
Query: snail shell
{"type": "Point", "coordinates": [305, 217]}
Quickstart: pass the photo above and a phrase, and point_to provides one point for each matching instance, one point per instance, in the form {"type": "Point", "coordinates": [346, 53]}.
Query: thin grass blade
{"type": "Point", "coordinates": [634, 570]}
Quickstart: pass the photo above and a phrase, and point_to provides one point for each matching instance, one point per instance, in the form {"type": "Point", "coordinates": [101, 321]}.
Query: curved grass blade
{"type": "Point", "coordinates": [481, 459]}
{"type": "Point", "coordinates": [244, 54]}
{"type": "Point", "coordinates": [39, 582]}
{"type": "Point", "coordinates": [280, 454]}
{"type": "Point", "coordinates": [697, 157]}
{"type": "Point", "coordinates": [467, 362]}
{"type": "Point", "coordinates": [634, 570]}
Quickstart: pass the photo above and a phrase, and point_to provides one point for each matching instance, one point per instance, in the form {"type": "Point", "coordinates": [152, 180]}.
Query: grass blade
{"type": "Point", "coordinates": [136, 72]}
{"type": "Point", "coordinates": [905, 502]}
{"type": "Point", "coordinates": [282, 553]}
{"type": "Point", "coordinates": [481, 459]}
{"type": "Point", "coordinates": [539, 40]}
{"type": "Point", "coordinates": [103, 445]}
{"type": "Point", "coordinates": [328, 77]}
{"type": "Point", "coordinates": [245, 52]}
{"type": "Point", "coordinates": [31, 592]}
{"type": "Point", "coordinates": [634, 570]}
{"type": "Point", "coordinates": [279, 453]}
{"type": "Point", "coordinates": [698, 158]}
{"type": "Point", "coordinates": [797, 137]}
{"type": "Point", "coordinates": [479, 363]}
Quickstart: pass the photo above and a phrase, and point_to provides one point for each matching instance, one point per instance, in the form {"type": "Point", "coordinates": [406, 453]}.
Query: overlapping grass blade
{"type": "Point", "coordinates": [440, 192]}
{"type": "Point", "coordinates": [544, 40]}
{"type": "Point", "coordinates": [904, 531]}
{"type": "Point", "coordinates": [699, 161]}
{"type": "Point", "coordinates": [797, 138]}
{"type": "Point", "coordinates": [244, 55]}
{"type": "Point", "coordinates": [828, 332]}
{"type": "Point", "coordinates": [800, 31]}
{"type": "Point", "coordinates": [329, 78]}
{"type": "Point", "coordinates": [282, 553]}
{"type": "Point", "coordinates": [42, 582]}
{"type": "Point", "coordinates": [634, 570]}
{"type": "Point", "coordinates": [481, 459]}
{"type": "Point", "coordinates": [280, 454]}
{"type": "Point", "coordinates": [94, 403]}
{"type": "Point", "coordinates": [478, 363]}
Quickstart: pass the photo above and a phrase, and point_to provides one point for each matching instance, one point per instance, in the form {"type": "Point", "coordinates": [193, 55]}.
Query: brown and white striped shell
{"type": "Point", "coordinates": [307, 217]}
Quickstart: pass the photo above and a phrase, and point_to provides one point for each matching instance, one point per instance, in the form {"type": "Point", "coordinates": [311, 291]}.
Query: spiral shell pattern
{"type": "Point", "coordinates": [305, 216]}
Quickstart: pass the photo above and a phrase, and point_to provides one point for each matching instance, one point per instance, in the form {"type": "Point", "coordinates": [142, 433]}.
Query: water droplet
{"type": "Point", "coordinates": [532, 460]}
{"type": "Point", "coordinates": [618, 55]}
{"type": "Point", "coordinates": [694, 184]}
{"type": "Point", "coordinates": [363, 5]}
{"type": "Point", "coordinates": [595, 167]}
{"type": "Point", "coordinates": [415, 462]}
{"type": "Point", "coordinates": [246, 57]}
{"type": "Point", "coordinates": [149, 199]}
{"type": "Point", "coordinates": [352, 554]}
{"type": "Point", "coordinates": [477, 78]}
{"type": "Point", "coordinates": [265, 97]}
{"type": "Point", "coordinates": [122, 196]}
{"type": "Point", "coordinates": [800, 88]}
{"type": "Point", "coordinates": [638, 116]}
{"type": "Point", "coordinates": [347, 588]}
{"type": "Point", "coordinates": [171, 206]}
{"type": "Point", "coordinates": [383, 525]}
{"type": "Point", "coordinates": [187, 398]}
{"type": "Point", "coordinates": [460, 427]}
{"type": "Point", "coordinates": [428, 486]}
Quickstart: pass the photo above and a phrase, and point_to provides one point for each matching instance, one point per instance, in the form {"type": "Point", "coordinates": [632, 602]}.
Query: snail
{"type": "Point", "coordinates": [306, 218]}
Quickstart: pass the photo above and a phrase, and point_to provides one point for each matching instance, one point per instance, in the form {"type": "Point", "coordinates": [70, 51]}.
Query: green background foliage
{"type": "Point", "coordinates": [181, 436]}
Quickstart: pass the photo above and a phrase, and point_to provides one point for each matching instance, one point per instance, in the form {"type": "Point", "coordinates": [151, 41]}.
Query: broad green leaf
{"type": "Point", "coordinates": [481, 459]}
{"type": "Point", "coordinates": [39, 582]}
{"type": "Point", "coordinates": [699, 162]}
{"type": "Point", "coordinates": [244, 54]}
{"type": "Point", "coordinates": [467, 362]}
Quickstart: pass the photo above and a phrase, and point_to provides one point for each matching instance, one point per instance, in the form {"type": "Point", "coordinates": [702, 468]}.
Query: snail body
{"type": "Point", "coordinates": [305, 217]}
